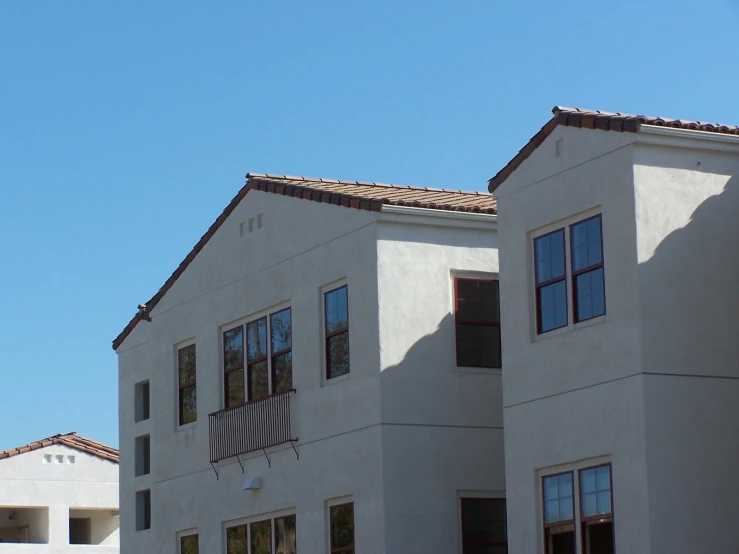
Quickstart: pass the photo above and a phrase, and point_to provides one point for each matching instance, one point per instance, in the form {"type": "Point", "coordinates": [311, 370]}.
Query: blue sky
{"type": "Point", "coordinates": [126, 127]}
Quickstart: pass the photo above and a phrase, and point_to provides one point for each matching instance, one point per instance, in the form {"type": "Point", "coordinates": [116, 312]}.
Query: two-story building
{"type": "Point", "coordinates": [320, 374]}
{"type": "Point", "coordinates": [620, 308]}
{"type": "Point", "coordinates": [59, 495]}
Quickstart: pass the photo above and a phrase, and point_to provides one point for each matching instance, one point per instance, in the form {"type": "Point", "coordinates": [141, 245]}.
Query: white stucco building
{"type": "Point", "coordinates": [320, 374]}
{"type": "Point", "coordinates": [59, 496]}
{"type": "Point", "coordinates": [617, 238]}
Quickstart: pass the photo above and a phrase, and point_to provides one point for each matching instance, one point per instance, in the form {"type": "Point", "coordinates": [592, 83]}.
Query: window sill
{"type": "Point", "coordinates": [478, 370]}
{"type": "Point", "coordinates": [570, 328]}
{"type": "Point", "coordinates": [186, 426]}
{"type": "Point", "coordinates": [335, 380]}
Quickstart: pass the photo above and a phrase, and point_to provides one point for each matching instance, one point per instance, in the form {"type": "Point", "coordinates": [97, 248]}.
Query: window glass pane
{"type": "Point", "coordinates": [337, 312]}
{"type": "Point", "coordinates": [590, 295]}
{"type": "Point", "coordinates": [551, 487]}
{"type": "Point", "coordinates": [188, 405]}
{"type": "Point", "coordinates": [189, 544]}
{"type": "Point", "coordinates": [186, 361]}
{"type": "Point", "coordinates": [235, 390]}
{"type": "Point", "coordinates": [552, 306]}
{"type": "Point", "coordinates": [595, 491]}
{"type": "Point", "coordinates": [604, 503]}
{"type": "Point", "coordinates": [236, 540]}
{"type": "Point", "coordinates": [565, 484]}
{"type": "Point", "coordinates": [233, 348]}
{"type": "Point", "coordinates": [261, 537]}
{"type": "Point", "coordinates": [558, 498]}
{"type": "Point", "coordinates": [603, 477]}
{"type": "Point", "coordinates": [549, 256]}
{"type": "Point", "coordinates": [342, 526]}
{"type": "Point", "coordinates": [478, 346]}
{"type": "Point", "coordinates": [285, 535]}
{"type": "Point", "coordinates": [282, 372]}
{"type": "Point", "coordinates": [338, 355]}
{"type": "Point", "coordinates": [551, 511]}
{"type": "Point", "coordinates": [587, 480]}
{"type": "Point", "coordinates": [586, 244]}
{"type": "Point", "coordinates": [258, 384]}
{"type": "Point", "coordinates": [588, 504]}
{"type": "Point", "coordinates": [477, 301]}
{"type": "Point", "coordinates": [483, 520]}
{"type": "Point", "coordinates": [256, 339]}
{"type": "Point", "coordinates": [281, 330]}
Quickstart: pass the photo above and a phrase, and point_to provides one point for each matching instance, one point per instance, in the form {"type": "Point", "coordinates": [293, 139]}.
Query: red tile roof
{"type": "Point", "coordinates": [604, 121]}
{"type": "Point", "coordinates": [350, 194]}
{"type": "Point", "coordinates": [71, 440]}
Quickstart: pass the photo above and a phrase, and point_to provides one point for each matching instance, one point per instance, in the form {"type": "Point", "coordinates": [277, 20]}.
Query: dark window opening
{"type": "Point", "coordinates": [188, 407]}
{"type": "Point", "coordinates": [143, 456]}
{"type": "Point", "coordinates": [588, 284]}
{"type": "Point", "coordinates": [336, 313]}
{"type": "Point", "coordinates": [80, 530]}
{"type": "Point", "coordinates": [484, 526]}
{"type": "Point", "coordinates": [236, 542]}
{"type": "Point", "coordinates": [190, 544]}
{"type": "Point", "coordinates": [477, 322]}
{"type": "Point", "coordinates": [342, 528]}
{"type": "Point", "coordinates": [143, 510]}
{"type": "Point", "coordinates": [551, 287]}
{"type": "Point", "coordinates": [141, 401]}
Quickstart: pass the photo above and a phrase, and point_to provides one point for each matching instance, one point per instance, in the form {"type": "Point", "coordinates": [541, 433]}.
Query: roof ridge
{"type": "Point", "coordinates": [70, 440]}
{"type": "Point", "coordinates": [272, 177]}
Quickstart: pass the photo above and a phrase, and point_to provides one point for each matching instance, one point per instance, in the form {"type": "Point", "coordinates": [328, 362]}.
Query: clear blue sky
{"type": "Point", "coordinates": [126, 127]}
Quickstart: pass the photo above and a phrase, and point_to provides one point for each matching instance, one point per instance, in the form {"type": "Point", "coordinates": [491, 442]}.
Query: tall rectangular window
{"type": "Point", "coordinates": [477, 321]}
{"type": "Point", "coordinates": [261, 537]}
{"type": "Point", "coordinates": [190, 544]}
{"type": "Point", "coordinates": [143, 456]}
{"type": "Point", "coordinates": [143, 510]}
{"type": "Point", "coordinates": [588, 287]}
{"type": "Point", "coordinates": [188, 406]}
{"type": "Point", "coordinates": [559, 514]}
{"type": "Point", "coordinates": [267, 368]}
{"type": "Point", "coordinates": [336, 313]}
{"type": "Point", "coordinates": [484, 526]}
{"type": "Point", "coordinates": [233, 367]}
{"type": "Point", "coordinates": [236, 540]}
{"type": "Point", "coordinates": [551, 281]}
{"type": "Point", "coordinates": [285, 535]}
{"type": "Point", "coordinates": [141, 401]}
{"type": "Point", "coordinates": [342, 528]}
{"type": "Point", "coordinates": [596, 510]}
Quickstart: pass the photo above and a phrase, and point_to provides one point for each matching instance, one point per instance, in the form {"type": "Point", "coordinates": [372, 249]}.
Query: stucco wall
{"type": "Point", "coordinates": [27, 481]}
{"type": "Point", "coordinates": [442, 425]}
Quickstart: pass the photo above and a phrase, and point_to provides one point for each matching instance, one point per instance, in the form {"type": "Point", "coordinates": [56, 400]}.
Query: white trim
{"type": "Point", "coordinates": [428, 216]}
{"type": "Point", "coordinates": [687, 138]}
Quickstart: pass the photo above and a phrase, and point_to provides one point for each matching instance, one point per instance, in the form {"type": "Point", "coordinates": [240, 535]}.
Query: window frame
{"type": "Point", "coordinates": [188, 385]}
{"type": "Point", "coordinates": [564, 522]}
{"type": "Point", "coordinates": [585, 521]}
{"type": "Point", "coordinates": [247, 522]}
{"type": "Point", "coordinates": [575, 273]}
{"type": "Point", "coordinates": [457, 321]}
{"type": "Point", "coordinates": [478, 543]}
{"type": "Point", "coordinates": [341, 549]}
{"type": "Point", "coordinates": [336, 332]}
{"type": "Point", "coordinates": [246, 364]}
{"type": "Point", "coordinates": [538, 286]}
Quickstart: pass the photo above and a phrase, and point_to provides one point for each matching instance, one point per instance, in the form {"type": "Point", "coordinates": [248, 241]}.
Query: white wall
{"type": "Point", "coordinates": [28, 481]}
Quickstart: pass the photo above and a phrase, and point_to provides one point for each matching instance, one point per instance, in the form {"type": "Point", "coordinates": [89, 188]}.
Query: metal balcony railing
{"type": "Point", "coordinates": [250, 427]}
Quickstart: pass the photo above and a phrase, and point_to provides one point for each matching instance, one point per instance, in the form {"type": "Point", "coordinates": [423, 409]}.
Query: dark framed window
{"type": "Point", "coordinates": [268, 365]}
{"type": "Point", "coordinates": [342, 528]}
{"type": "Point", "coordinates": [336, 315]}
{"type": "Point", "coordinates": [143, 510]}
{"type": "Point", "coordinates": [188, 406]}
{"type": "Point", "coordinates": [596, 509]}
{"type": "Point", "coordinates": [236, 540]}
{"type": "Point", "coordinates": [588, 283]}
{"type": "Point", "coordinates": [233, 367]}
{"type": "Point", "coordinates": [281, 349]}
{"type": "Point", "coordinates": [551, 281]}
{"type": "Point", "coordinates": [484, 526]}
{"type": "Point", "coordinates": [477, 322]}
{"type": "Point", "coordinates": [285, 535]}
{"type": "Point", "coordinates": [261, 537]}
{"type": "Point", "coordinates": [142, 451]}
{"type": "Point", "coordinates": [190, 544]}
{"type": "Point", "coordinates": [559, 513]}
{"type": "Point", "coordinates": [141, 401]}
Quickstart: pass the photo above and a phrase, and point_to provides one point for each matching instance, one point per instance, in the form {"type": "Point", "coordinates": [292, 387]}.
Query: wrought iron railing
{"type": "Point", "coordinates": [250, 427]}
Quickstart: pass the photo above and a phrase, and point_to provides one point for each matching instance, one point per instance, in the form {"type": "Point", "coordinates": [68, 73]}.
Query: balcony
{"type": "Point", "coordinates": [250, 427]}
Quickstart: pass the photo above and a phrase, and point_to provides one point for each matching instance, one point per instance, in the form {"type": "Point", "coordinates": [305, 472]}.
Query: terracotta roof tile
{"type": "Point", "coordinates": [71, 440]}
{"type": "Point", "coordinates": [604, 121]}
{"type": "Point", "coordinates": [349, 194]}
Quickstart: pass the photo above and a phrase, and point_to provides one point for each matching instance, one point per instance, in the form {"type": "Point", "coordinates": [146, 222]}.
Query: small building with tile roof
{"type": "Point", "coordinates": [619, 313]}
{"type": "Point", "coordinates": [59, 493]}
{"type": "Point", "coordinates": [322, 369]}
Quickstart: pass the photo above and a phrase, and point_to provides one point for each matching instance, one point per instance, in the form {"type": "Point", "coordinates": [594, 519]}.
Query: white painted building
{"type": "Point", "coordinates": [59, 496]}
{"type": "Point", "coordinates": [360, 322]}
{"type": "Point", "coordinates": [617, 238]}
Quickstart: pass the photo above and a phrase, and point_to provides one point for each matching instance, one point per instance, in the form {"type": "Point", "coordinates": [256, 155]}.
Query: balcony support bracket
{"type": "Point", "coordinates": [269, 462]}
{"type": "Point", "coordinates": [242, 465]}
{"type": "Point", "coordinates": [292, 443]}
{"type": "Point", "coordinates": [214, 469]}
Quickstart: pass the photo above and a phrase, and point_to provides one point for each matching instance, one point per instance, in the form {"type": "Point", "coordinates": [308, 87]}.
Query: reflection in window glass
{"type": "Point", "coordinates": [285, 535]}
{"type": "Point", "coordinates": [342, 528]}
{"type": "Point", "coordinates": [336, 312]}
{"type": "Point", "coordinates": [236, 540]}
{"type": "Point", "coordinates": [558, 498]}
{"type": "Point", "coordinates": [281, 350]}
{"type": "Point", "coordinates": [588, 282]}
{"type": "Point", "coordinates": [189, 544]}
{"type": "Point", "coordinates": [595, 491]}
{"type": "Point", "coordinates": [551, 289]}
{"type": "Point", "coordinates": [233, 367]}
{"type": "Point", "coordinates": [188, 410]}
{"type": "Point", "coordinates": [256, 357]}
{"type": "Point", "coordinates": [261, 537]}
